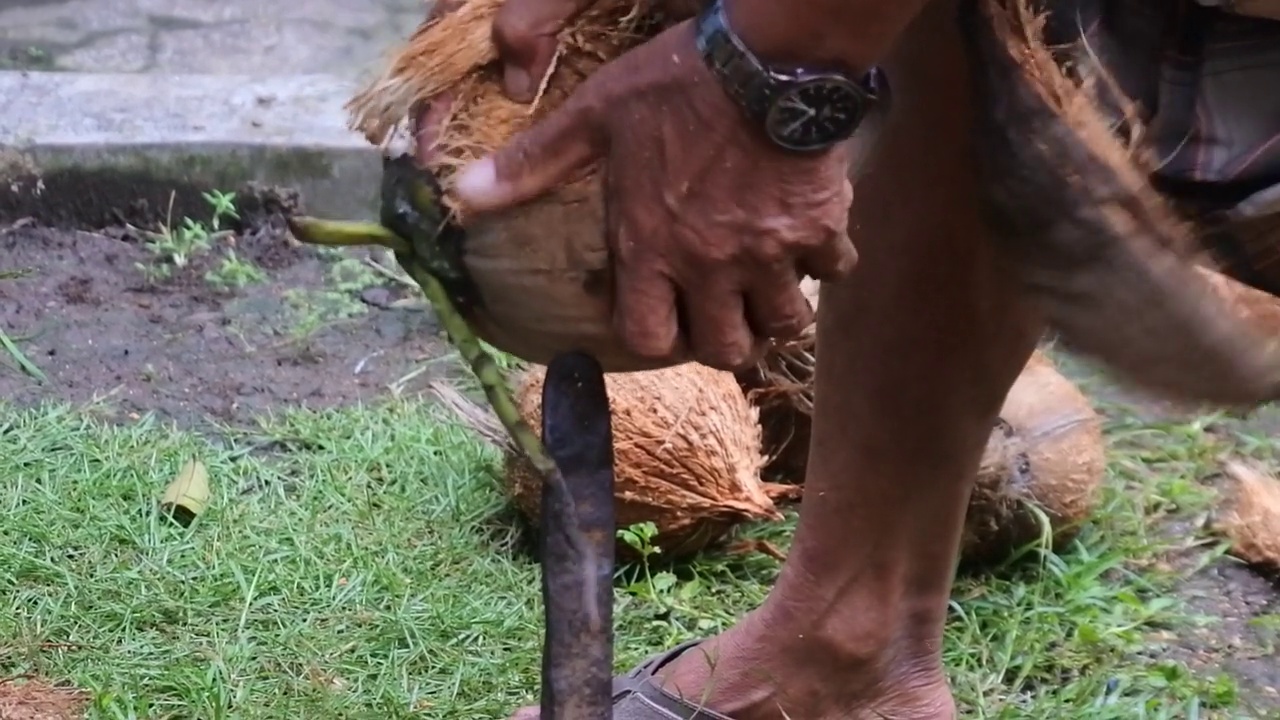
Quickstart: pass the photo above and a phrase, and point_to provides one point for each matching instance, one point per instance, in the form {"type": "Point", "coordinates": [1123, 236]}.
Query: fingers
{"type": "Point", "coordinates": [775, 305]}
{"type": "Point", "coordinates": [718, 331]}
{"type": "Point", "coordinates": [831, 260]}
{"type": "Point", "coordinates": [645, 313]}
{"type": "Point", "coordinates": [534, 161]}
{"type": "Point", "coordinates": [836, 257]}
{"type": "Point", "coordinates": [524, 32]}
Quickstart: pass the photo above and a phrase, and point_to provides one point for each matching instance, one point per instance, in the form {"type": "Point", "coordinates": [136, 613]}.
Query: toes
{"type": "Point", "coordinates": [531, 712]}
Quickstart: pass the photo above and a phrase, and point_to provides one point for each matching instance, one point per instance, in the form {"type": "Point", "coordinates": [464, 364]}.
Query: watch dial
{"type": "Point", "coordinates": [815, 114]}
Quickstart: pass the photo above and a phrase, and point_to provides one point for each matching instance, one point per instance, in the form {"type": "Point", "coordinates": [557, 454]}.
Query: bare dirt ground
{"type": "Point", "coordinates": [86, 314]}
{"type": "Point", "coordinates": [31, 699]}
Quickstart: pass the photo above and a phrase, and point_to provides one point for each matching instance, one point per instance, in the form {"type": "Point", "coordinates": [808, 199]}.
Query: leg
{"type": "Point", "coordinates": [918, 349]}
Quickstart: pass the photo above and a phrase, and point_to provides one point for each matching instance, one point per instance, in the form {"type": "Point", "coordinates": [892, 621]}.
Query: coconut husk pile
{"type": "Point", "coordinates": [687, 455]}
{"type": "Point", "coordinates": [1250, 516]}
{"type": "Point", "coordinates": [781, 385]}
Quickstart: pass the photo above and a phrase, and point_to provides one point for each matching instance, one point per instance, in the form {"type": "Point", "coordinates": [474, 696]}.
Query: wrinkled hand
{"type": "Point", "coordinates": [710, 226]}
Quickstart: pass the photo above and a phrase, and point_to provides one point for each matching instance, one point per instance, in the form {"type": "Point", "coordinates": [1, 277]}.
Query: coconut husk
{"type": "Point", "coordinates": [781, 386]}
{"type": "Point", "coordinates": [1250, 516]}
{"type": "Point", "coordinates": [686, 455]}
{"type": "Point", "coordinates": [1045, 461]}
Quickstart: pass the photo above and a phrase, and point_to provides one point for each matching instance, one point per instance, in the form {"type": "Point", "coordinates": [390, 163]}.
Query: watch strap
{"type": "Point", "coordinates": [749, 83]}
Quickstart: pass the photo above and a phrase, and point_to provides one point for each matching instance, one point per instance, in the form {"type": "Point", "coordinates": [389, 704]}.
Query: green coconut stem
{"type": "Point", "coordinates": [483, 367]}
{"type": "Point", "coordinates": [336, 233]}
{"type": "Point", "coordinates": [341, 233]}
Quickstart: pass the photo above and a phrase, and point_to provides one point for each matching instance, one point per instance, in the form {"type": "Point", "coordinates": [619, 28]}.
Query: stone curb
{"type": "Point", "coordinates": [91, 149]}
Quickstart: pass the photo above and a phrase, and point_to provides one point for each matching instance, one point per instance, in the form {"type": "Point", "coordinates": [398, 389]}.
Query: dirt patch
{"type": "Point", "coordinates": [313, 330]}
{"type": "Point", "coordinates": [31, 699]}
{"type": "Point", "coordinates": [1240, 635]}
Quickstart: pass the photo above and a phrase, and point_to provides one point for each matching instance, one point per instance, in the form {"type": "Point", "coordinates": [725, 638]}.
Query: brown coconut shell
{"type": "Point", "coordinates": [1046, 455]}
{"type": "Point", "coordinates": [686, 456]}
{"type": "Point", "coordinates": [1250, 516]}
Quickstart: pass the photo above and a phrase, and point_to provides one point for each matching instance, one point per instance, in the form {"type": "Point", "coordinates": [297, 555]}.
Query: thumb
{"type": "Point", "coordinates": [535, 161]}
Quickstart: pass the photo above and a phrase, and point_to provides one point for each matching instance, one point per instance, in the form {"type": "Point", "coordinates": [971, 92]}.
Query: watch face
{"type": "Point", "coordinates": [816, 114]}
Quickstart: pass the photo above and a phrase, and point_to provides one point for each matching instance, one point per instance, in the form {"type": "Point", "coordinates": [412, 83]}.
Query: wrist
{"type": "Point", "coordinates": [846, 35]}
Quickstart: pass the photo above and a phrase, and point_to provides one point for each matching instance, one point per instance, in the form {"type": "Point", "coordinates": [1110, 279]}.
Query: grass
{"type": "Point", "coordinates": [10, 346]}
{"type": "Point", "coordinates": [360, 564]}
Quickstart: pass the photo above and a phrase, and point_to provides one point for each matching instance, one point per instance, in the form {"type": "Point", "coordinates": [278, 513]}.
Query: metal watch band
{"type": "Point", "coordinates": [748, 83]}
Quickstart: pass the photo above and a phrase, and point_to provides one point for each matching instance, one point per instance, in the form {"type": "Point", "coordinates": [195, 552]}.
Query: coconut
{"type": "Point", "coordinates": [541, 270]}
{"type": "Point", "coordinates": [1045, 458]}
{"type": "Point", "coordinates": [686, 456]}
{"type": "Point", "coordinates": [1250, 516]}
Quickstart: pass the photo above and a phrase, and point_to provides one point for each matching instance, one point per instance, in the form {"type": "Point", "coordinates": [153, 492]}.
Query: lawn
{"type": "Point", "coordinates": [362, 563]}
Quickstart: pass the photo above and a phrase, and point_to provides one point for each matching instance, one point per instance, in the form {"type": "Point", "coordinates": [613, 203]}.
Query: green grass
{"type": "Point", "coordinates": [359, 564]}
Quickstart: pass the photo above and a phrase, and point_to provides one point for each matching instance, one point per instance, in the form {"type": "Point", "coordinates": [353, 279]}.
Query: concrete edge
{"type": "Point", "coordinates": [89, 150]}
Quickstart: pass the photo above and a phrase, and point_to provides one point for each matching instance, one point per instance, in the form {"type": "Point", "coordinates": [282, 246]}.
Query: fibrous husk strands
{"type": "Point", "coordinates": [454, 56]}
{"type": "Point", "coordinates": [781, 386]}
{"type": "Point", "coordinates": [686, 455]}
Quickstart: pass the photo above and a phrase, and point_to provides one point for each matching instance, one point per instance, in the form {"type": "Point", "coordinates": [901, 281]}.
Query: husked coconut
{"type": "Point", "coordinates": [1250, 516]}
{"type": "Point", "coordinates": [1046, 455]}
{"type": "Point", "coordinates": [686, 456]}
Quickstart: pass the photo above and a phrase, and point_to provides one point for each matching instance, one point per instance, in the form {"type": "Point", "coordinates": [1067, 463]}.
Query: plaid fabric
{"type": "Point", "coordinates": [1206, 83]}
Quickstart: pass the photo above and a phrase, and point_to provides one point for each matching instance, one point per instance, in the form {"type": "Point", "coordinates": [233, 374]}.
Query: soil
{"type": "Point", "coordinates": [88, 316]}
{"type": "Point", "coordinates": [1233, 598]}
{"type": "Point", "coordinates": [31, 699]}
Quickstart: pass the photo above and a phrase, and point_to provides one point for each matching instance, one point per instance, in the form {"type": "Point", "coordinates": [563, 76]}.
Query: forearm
{"type": "Point", "coordinates": [852, 34]}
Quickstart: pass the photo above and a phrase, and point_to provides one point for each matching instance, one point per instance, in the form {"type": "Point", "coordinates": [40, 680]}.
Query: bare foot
{"type": "Point", "coordinates": [749, 673]}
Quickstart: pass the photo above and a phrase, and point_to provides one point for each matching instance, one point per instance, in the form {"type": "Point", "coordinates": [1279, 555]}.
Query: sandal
{"type": "Point", "coordinates": [637, 697]}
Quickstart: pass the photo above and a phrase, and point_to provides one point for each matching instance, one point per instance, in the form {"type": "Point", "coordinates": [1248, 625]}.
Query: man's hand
{"type": "Point", "coordinates": [710, 226]}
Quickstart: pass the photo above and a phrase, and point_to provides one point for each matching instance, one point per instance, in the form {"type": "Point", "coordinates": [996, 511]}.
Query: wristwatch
{"type": "Point", "coordinates": [799, 109]}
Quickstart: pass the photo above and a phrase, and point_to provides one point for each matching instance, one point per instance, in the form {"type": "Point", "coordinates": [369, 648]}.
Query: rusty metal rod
{"type": "Point", "coordinates": [577, 576]}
